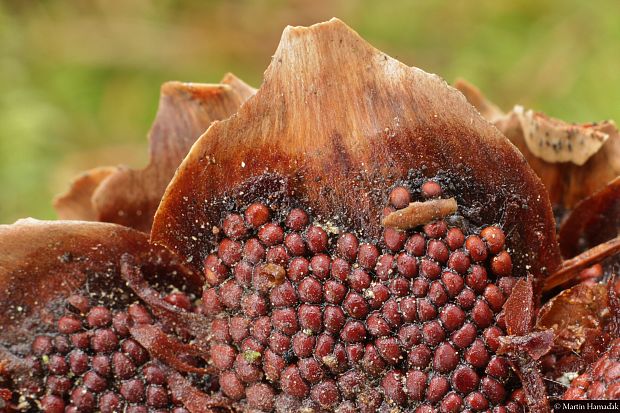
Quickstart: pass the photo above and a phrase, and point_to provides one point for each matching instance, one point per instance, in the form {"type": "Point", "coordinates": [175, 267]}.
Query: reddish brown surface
{"type": "Point", "coordinates": [574, 314]}
{"type": "Point", "coordinates": [594, 220]}
{"type": "Point", "coordinates": [42, 261]}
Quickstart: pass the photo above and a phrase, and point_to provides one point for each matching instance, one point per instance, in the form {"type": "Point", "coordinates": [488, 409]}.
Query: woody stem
{"type": "Point", "coordinates": [570, 268]}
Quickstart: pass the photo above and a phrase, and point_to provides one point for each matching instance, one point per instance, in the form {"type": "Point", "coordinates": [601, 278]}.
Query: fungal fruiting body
{"type": "Point", "coordinates": [308, 315]}
{"type": "Point", "coordinates": [366, 240]}
{"type": "Point", "coordinates": [303, 315]}
{"type": "Point", "coordinates": [91, 363]}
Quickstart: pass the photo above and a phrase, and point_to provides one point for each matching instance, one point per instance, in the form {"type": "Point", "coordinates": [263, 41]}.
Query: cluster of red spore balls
{"type": "Point", "coordinates": [308, 317]}
{"type": "Point", "coordinates": [601, 380]}
{"type": "Point", "coordinates": [90, 363]}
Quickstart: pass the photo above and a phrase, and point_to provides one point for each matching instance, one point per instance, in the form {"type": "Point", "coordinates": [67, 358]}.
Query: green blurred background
{"type": "Point", "coordinates": [79, 80]}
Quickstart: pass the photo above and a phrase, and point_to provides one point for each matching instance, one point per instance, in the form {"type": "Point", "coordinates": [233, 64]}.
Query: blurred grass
{"type": "Point", "coordinates": [79, 80]}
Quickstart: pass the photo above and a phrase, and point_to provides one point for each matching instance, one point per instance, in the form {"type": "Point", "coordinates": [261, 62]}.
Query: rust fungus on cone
{"type": "Point", "coordinates": [338, 240]}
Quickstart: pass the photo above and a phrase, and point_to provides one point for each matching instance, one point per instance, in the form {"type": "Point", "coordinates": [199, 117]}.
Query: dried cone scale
{"type": "Point", "coordinates": [309, 302]}
{"type": "Point", "coordinates": [579, 159]}
{"type": "Point", "coordinates": [65, 311]}
{"type": "Point", "coordinates": [130, 197]}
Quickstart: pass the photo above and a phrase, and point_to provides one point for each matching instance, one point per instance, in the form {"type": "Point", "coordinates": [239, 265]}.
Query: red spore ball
{"type": "Point", "coordinates": [295, 244]}
{"type": "Point", "coordinates": [353, 332]}
{"type": "Point", "coordinates": [68, 325]}
{"type": "Point", "coordinates": [52, 404]}
{"type": "Point", "coordinates": [407, 265]}
{"type": "Point", "coordinates": [464, 336]}
{"type": "Point", "coordinates": [103, 341]}
{"type": "Point", "coordinates": [231, 385]}
{"type": "Point", "coordinates": [347, 246]}
{"type": "Point", "coordinates": [334, 291]}
{"type": "Point", "coordinates": [234, 226]}
{"type": "Point", "coordinates": [459, 262]}
{"type": "Point", "coordinates": [83, 399]}
{"type": "Point", "coordinates": [454, 283]}
{"type": "Point", "coordinates": [326, 394]}
{"type": "Point", "coordinates": [253, 251]}
{"type": "Point", "coordinates": [494, 238]}
{"type": "Point", "coordinates": [229, 251]}
{"type": "Point", "coordinates": [310, 317]}
{"type": "Point", "coordinates": [465, 380]}
{"type": "Point", "coordinates": [501, 264]}
{"type": "Point", "coordinates": [42, 345]}
{"type": "Point", "coordinates": [316, 238]}
{"type": "Point", "coordinates": [376, 295]}
{"type": "Point", "coordinates": [385, 266]}
{"type": "Point", "coordinates": [297, 219]}
{"type": "Point", "coordinates": [437, 229]}
{"type": "Point", "coordinates": [438, 386]}
{"type": "Point", "coordinates": [359, 280]}
{"type": "Point", "coordinates": [271, 234]}
{"type": "Point", "coordinates": [437, 250]}
{"type": "Point", "coordinates": [415, 384]}
{"type": "Point", "coordinates": [455, 238]}
{"type": "Point", "coordinates": [393, 387]}
{"type": "Point", "coordinates": [340, 269]}
{"type": "Point", "coordinates": [293, 384]}
{"type": "Point", "coordinates": [320, 266]}
{"type": "Point", "coordinates": [256, 215]}
{"type": "Point", "coordinates": [355, 305]}
{"type": "Point", "coordinates": [394, 239]}
{"type": "Point", "coordinates": [333, 319]}
{"type": "Point", "coordinates": [99, 317]}
{"type": "Point", "coordinates": [477, 248]}
{"type": "Point", "coordinates": [431, 189]}
{"type": "Point", "coordinates": [429, 268]}
{"type": "Point", "coordinates": [310, 290]}
{"type": "Point", "coordinates": [298, 268]}
{"type": "Point", "coordinates": [400, 197]}
{"type": "Point", "coordinates": [180, 300]}
{"type": "Point", "coordinates": [260, 396]}
{"type": "Point", "coordinates": [416, 245]}
{"type": "Point", "coordinates": [367, 256]}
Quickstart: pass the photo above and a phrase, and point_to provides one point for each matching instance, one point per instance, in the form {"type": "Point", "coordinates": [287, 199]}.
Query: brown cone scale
{"type": "Point", "coordinates": [343, 165]}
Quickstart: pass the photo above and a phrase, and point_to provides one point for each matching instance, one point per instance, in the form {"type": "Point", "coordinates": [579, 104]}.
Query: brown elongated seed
{"type": "Point", "coordinates": [420, 213]}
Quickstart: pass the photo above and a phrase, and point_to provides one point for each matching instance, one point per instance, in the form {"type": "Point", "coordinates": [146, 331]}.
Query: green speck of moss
{"type": "Point", "coordinates": [251, 356]}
